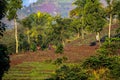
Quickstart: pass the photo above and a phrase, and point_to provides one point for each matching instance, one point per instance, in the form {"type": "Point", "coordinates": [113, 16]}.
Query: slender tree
{"type": "Point", "coordinates": [13, 6]}
{"type": "Point", "coordinates": [112, 10]}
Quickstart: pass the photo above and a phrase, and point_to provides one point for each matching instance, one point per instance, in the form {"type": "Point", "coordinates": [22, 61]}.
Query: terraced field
{"type": "Point", "coordinates": [30, 71]}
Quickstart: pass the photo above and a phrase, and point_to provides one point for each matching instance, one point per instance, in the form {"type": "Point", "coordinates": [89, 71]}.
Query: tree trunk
{"type": "Point", "coordinates": [28, 36]}
{"type": "Point", "coordinates": [98, 37]}
{"type": "Point", "coordinates": [110, 23]}
{"type": "Point", "coordinates": [82, 33]}
{"type": "Point", "coordinates": [16, 37]}
{"type": "Point", "coordinates": [78, 35]}
{"type": "Point", "coordinates": [63, 42]}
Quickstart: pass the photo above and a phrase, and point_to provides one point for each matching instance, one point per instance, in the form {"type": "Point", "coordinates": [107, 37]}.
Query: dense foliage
{"type": "Point", "coordinates": [3, 4]}
{"type": "Point", "coordinates": [4, 60]}
{"type": "Point", "coordinates": [70, 73]}
{"type": "Point", "coordinates": [103, 66]}
{"type": "Point", "coordinates": [42, 31]}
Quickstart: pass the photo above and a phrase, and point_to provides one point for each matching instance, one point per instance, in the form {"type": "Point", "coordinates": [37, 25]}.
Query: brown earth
{"type": "Point", "coordinates": [73, 53]}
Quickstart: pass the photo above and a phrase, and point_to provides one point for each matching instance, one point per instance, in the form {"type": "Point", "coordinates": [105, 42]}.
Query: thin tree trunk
{"type": "Point", "coordinates": [110, 23]}
{"type": "Point", "coordinates": [98, 34]}
{"type": "Point", "coordinates": [82, 33]}
{"type": "Point", "coordinates": [78, 35]}
{"type": "Point", "coordinates": [28, 36]}
{"type": "Point", "coordinates": [28, 39]}
{"type": "Point", "coordinates": [83, 23]}
{"type": "Point", "coordinates": [16, 37]}
{"type": "Point", "coordinates": [63, 42]}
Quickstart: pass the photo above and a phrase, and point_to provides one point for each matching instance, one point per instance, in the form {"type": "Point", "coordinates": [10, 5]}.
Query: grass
{"type": "Point", "coordinates": [30, 71]}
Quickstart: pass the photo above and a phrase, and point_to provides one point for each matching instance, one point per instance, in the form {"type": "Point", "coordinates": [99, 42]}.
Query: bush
{"type": "Point", "coordinates": [59, 48]}
{"type": "Point", "coordinates": [60, 61]}
{"type": "Point", "coordinates": [33, 46]}
{"type": "Point", "coordinates": [44, 46]}
{"type": "Point", "coordinates": [11, 48]}
{"type": "Point", "coordinates": [70, 73]}
{"type": "Point", "coordinates": [4, 60]}
{"type": "Point", "coordinates": [106, 64]}
{"type": "Point", "coordinates": [115, 68]}
{"type": "Point", "coordinates": [97, 62]}
{"type": "Point", "coordinates": [110, 47]}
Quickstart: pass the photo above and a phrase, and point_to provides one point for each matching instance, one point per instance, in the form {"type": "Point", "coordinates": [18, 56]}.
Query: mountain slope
{"type": "Point", "coordinates": [53, 7]}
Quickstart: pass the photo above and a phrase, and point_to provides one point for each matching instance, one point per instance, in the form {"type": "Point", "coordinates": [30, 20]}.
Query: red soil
{"type": "Point", "coordinates": [73, 53]}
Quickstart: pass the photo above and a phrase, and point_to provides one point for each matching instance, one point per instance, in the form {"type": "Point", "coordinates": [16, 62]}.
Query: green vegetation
{"type": "Point", "coordinates": [103, 66]}
{"type": "Point", "coordinates": [42, 31]}
{"type": "Point", "coordinates": [2, 14]}
{"type": "Point", "coordinates": [31, 71]}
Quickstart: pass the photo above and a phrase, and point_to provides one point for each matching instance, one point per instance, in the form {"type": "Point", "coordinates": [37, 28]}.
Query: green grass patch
{"type": "Point", "coordinates": [31, 70]}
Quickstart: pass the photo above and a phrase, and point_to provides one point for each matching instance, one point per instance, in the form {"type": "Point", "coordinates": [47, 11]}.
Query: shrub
{"type": "Point", "coordinates": [70, 73]}
{"type": "Point", "coordinates": [59, 48]}
{"type": "Point", "coordinates": [97, 62]}
{"type": "Point", "coordinates": [110, 47]}
{"type": "Point", "coordinates": [33, 46]}
{"type": "Point", "coordinates": [60, 61]}
{"type": "Point", "coordinates": [115, 68]}
{"type": "Point", "coordinates": [106, 64]}
{"type": "Point", "coordinates": [4, 59]}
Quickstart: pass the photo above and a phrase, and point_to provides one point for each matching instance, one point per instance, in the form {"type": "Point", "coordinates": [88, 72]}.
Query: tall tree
{"type": "Point", "coordinates": [95, 17]}
{"type": "Point", "coordinates": [80, 13]}
{"type": "Point", "coordinates": [61, 30]}
{"type": "Point", "coordinates": [112, 10]}
{"type": "Point", "coordinates": [38, 27]}
{"type": "Point", "coordinates": [76, 27]}
{"type": "Point", "coordinates": [13, 6]}
{"type": "Point", "coordinates": [27, 23]}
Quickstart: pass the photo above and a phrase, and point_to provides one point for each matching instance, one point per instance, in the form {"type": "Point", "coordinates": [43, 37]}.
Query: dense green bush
{"type": "Point", "coordinates": [70, 73]}
{"type": "Point", "coordinates": [59, 49]}
{"type": "Point", "coordinates": [23, 43]}
{"type": "Point", "coordinates": [110, 47]}
{"type": "Point", "coordinates": [4, 60]}
{"type": "Point", "coordinates": [97, 62]}
{"type": "Point", "coordinates": [44, 46]}
{"type": "Point", "coordinates": [107, 59]}
{"type": "Point", "coordinates": [9, 40]}
{"type": "Point", "coordinates": [103, 66]}
{"type": "Point", "coordinates": [11, 47]}
{"type": "Point", "coordinates": [33, 46]}
{"type": "Point", "coordinates": [115, 68]}
{"type": "Point", "coordinates": [60, 61]}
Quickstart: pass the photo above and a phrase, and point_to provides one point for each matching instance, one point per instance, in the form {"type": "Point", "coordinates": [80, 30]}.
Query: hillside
{"type": "Point", "coordinates": [76, 50]}
{"type": "Point", "coordinates": [39, 65]}
{"type": "Point", "coordinates": [43, 43]}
